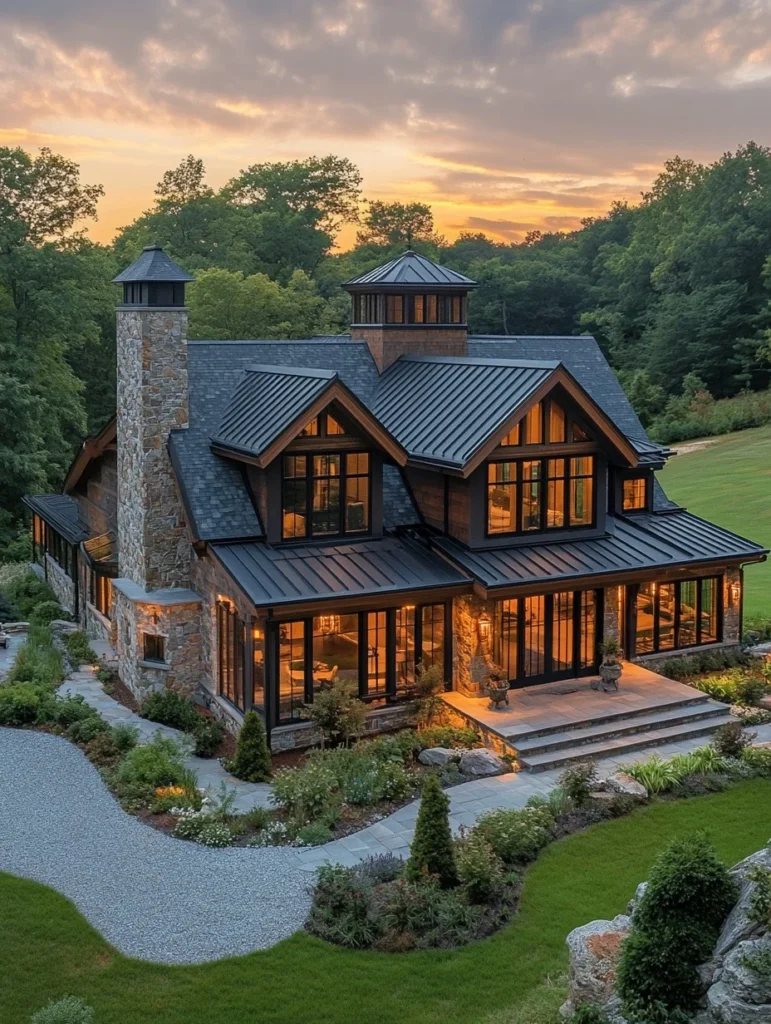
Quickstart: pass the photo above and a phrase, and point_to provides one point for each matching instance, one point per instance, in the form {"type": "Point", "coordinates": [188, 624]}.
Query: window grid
{"type": "Point", "coordinates": [515, 495]}
{"type": "Point", "coordinates": [669, 616]}
{"type": "Point", "coordinates": [635, 497]}
{"type": "Point", "coordinates": [326, 495]}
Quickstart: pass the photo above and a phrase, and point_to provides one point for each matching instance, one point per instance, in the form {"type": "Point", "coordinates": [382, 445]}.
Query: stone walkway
{"type": "Point", "coordinates": [467, 801]}
{"type": "Point", "coordinates": [8, 654]}
{"type": "Point", "coordinates": [210, 772]}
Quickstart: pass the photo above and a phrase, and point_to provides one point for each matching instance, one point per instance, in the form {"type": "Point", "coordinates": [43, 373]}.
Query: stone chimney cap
{"type": "Point", "coordinates": [152, 265]}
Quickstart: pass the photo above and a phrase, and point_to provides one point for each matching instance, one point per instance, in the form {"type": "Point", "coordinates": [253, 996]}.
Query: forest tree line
{"type": "Point", "coordinates": [677, 288]}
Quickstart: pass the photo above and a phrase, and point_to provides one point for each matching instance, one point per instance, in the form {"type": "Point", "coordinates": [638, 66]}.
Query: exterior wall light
{"type": "Point", "coordinates": [484, 624]}
{"type": "Point", "coordinates": [735, 593]}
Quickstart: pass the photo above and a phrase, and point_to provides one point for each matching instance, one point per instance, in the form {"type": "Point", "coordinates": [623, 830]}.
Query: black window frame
{"type": "Point", "coordinates": [545, 404]}
{"type": "Point", "coordinates": [657, 649]}
{"type": "Point", "coordinates": [517, 483]}
{"type": "Point", "coordinates": [157, 641]}
{"type": "Point", "coordinates": [647, 479]}
{"type": "Point", "coordinates": [393, 693]}
{"type": "Point", "coordinates": [100, 592]}
{"type": "Point", "coordinates": [344, 476]}
{"type": "Point", "coordinates": [231, 655]}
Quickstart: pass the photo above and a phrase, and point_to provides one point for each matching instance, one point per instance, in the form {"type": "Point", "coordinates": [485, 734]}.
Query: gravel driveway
{"type": "Point", "coordinates": [151, 896]}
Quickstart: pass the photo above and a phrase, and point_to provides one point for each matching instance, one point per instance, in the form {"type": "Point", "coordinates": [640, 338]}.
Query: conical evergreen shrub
{"type": "Point", "coordinates": [432, 852]}
{"type": "Point", "coordinates": [252, 757]}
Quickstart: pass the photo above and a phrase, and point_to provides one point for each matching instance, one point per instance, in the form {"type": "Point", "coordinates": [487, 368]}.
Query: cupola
{"type": "Point", "coordinates": [153, 280]}
{"type": "Point", "coordinates": [410, 305]}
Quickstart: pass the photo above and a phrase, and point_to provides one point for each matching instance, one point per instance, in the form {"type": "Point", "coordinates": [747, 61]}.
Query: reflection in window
{"type": "Point", "coordinates": [431, 309]}
{"type": "Point", "coordinates": [405, 647]}
{"type": "Point", "coordinates": [577, 433]}
{"type": "Point", "coordinates": [291, 669]}
{"type": "Point", "coordinates": [634, 492]}
{"type": "Point", "coordinates": [506, 639]}
{"type": "Point", "coordinates": [675, 615]}
{"type": "Point", "coordinates": [377, 654]}
{"type": "Point", "coordinates": [708, 607]}
{"type": "Point", "coordinates": [356, 492]}
{"type": "Point", "coordinates": [418, 309]}
{"type": "Point", "coordinates": [333, 427]}
{"type": "Point", "coordinates": [588, 630]}
{"type": "Point", "coordinates": [432, 636]}
{"type": "Point", "coordinates": [688, 613]}
{"type": "Point", "coordinates": [535, 636]}
{"type": "Point", "coordinates": [325, 517]}
{"type": "Point", "coordinates": [154, 647]}
{"type": "Point", "coordinates": [394, 309]}
{"type": "Point", "coordinates": [258, 667]}
{"type": "Point", "coordinates": [501, 497]}
{"type": "Point", "coordinates": [646, 618]}
{"type": "Point", "coordinates": [581, 491]}
{"type": "Point", "coordinates": [295, 496]}
{"type": "Point", "coordinates": [531, 496]}
{"type": "Point", "coordinates": [666, 613]}
{"type": "Point", "coordinates": [335, 651]}
{"type": "Point", "coordinates": [557, 426]}
{"type": "Point", "coordinates": [555, 493]}
{"type": "Point", "coordinates": [512, 437]}
{"type": "Point", "coordinates": [562, 632]}
{"type": "Point", "coordinates": [333, 499]}
{"type": "Point", "coordinates": [231, 651]}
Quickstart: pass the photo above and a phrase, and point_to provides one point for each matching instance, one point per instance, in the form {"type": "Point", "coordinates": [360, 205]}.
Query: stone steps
{"type": "Point", "coordinates": [627, 743]}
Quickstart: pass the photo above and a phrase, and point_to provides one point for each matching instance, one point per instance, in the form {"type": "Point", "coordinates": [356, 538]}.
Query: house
{"type": "Point", "coordinates": [264, 517]}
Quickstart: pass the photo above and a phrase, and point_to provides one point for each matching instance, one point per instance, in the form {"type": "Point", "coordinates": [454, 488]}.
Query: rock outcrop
{"type": "Point", "coordinates": [736, 980]}
{"type": "Point", "coordinates": [482, 762]}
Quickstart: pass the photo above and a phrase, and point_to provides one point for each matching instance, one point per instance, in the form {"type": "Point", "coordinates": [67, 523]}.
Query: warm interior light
{"type": "Point", "coordinates": [484, 623]}
{"type": "Point", "coordinates": [736, 593]}
{"type": "Point", "coordinates": [257, 633]}
{"type": "Point", "coordinates": [329, 624]}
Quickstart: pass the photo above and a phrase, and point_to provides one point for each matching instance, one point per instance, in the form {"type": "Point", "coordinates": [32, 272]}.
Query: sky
{"type": "Point", "coordinates": [505, 116]}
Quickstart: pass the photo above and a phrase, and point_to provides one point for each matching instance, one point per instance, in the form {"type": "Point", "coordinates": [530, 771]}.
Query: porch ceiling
{"type": "Point", "coordinates": [368, 568]}
{"type": "Point", "coordinates": [631, 544]}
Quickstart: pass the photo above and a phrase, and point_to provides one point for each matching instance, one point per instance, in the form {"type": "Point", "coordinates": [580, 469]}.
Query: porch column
{"type": "Point", "coordinates": [471, 655]}
{"type": "Point", "coordinates": [613, 614]}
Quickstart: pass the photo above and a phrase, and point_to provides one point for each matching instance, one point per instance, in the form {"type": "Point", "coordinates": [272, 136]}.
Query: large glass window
{"type": "Point", "coordinates": [231, 652]}
{"type": "Point", "coordinates": [375, 653]}
{"type": "Point", "coordinates": [673, 615]}
{"type": "Point", "coordinates": [547, 636]}
{"type": "Point", "coordinates": [515, 494]}
{"type": "Point", "coordinates": [326, 495]}
{"type": "Point", "coordinates": [100, 593]}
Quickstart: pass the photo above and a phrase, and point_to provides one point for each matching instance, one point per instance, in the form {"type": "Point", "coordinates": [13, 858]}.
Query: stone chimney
{"type": "Point", "coordinates": [154, 552]}
{"type": "Point", "coordinates": [410, 305]}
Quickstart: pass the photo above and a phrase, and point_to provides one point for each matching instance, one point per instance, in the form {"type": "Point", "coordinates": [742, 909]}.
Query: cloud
{"type": "Point", "coordinates": [499, 105]}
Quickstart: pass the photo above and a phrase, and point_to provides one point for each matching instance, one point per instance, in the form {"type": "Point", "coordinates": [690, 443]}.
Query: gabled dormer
{"type": "Point", "coordinates": [311, 452]}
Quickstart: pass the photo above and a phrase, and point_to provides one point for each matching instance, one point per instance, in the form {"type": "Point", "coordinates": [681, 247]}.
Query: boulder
{"type": "Point", "coordinates": [595, 949]}
{"type": "Point", "coordinates": [624, 784]}
{"type": "Point", "coordinates": [738, 926]}
{"type": "Point", "coordinates": [634, 903]}
{"type": "Point", "coordinates": [14, 627]}
{"type": "Point", "coordinates": [765, 703]}
{"type": "Point", "coordinates": [760, 650]}
{"type": "Point", "coordinates": [741, 995]}
{"type": "Point", "coordinates": [482, 762]}
{"type": "Point", "coordinates": [438, 756]}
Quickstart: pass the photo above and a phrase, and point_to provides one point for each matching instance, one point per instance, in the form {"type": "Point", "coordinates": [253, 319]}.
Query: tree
{"type": "Point", "coordinates": [396, 224]}
{"type": "Point", "coordinates": [432, 852]}
{"type": "Point", "coordinates": [252, 758]}
{"type": "Point", "coordinates": [184, 184]}
{"type": "Point", "coordinates": [328, 189]}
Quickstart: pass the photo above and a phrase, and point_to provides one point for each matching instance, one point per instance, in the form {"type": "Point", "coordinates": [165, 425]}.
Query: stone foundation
{"type": "Point", "coordinates": [61, 584]}
{"type": "Point", "coordinates": [298, 735]}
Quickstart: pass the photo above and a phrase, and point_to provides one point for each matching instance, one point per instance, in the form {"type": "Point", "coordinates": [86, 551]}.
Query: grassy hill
{"type": "Point", "coordinates": [728, 480]}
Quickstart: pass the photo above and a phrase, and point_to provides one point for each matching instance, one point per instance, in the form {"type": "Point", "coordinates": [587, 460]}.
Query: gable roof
{"type": "Point", "coordinates": [213, 488]}
{"type": "Point", "coordinates": [410, 270]}
{"type": "Point", "coordinates": [449, 410]}
{"type": "Point", "coordinates": [272, 403]}
{"type": "Point", "coordinates": [152, 265]}
{"type": "Point", "coordinates": [91, 448]}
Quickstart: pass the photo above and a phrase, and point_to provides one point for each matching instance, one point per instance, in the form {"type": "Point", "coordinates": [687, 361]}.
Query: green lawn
{"type": "Point", "coordinates": [729, 482]}
{"type": "Point", "coordinates": [47, 949]}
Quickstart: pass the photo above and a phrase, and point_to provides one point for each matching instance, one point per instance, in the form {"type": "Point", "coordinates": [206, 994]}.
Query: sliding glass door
{"type": "Point", "coordinates": [547, 636]}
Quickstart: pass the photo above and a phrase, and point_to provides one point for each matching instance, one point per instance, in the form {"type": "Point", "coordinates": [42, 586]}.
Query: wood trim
{"type": "Point", "coordinates": [92, 448]}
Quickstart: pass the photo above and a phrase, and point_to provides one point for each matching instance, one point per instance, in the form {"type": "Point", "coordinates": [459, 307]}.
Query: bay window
{"type": "Point", "coordinates": [536, 495]}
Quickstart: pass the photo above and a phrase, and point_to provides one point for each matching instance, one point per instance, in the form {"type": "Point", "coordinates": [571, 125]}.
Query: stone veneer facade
{"type": "Point", "coordinates": [61, 584]}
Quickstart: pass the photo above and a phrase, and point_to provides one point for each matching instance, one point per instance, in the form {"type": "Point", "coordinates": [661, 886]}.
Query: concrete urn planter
{"type": "Point", "coordinates": [610, 673]}
{"type": "Point", "coordinates": [498, 692]}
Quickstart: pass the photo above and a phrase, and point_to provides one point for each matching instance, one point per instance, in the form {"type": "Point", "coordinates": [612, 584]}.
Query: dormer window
{"type": "Point", "coordinates": [326, 495]}
{"type": "Point", "coordinates": [635, 494]}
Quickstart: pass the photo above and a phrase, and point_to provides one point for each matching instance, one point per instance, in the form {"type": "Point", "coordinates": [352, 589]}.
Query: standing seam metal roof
{"type": "Point", "coordinates": [275, 576]}
{"type": "Point", "coordinates": [411, 270]}
{"type": "Point", "coordinates": [266, 401]}
{"type": "Point", "coordinates": [631, 543]}
{"type": "Point", "coordinates": [62, 513]}
{"type": "Point", "coordinates": [443, 409]}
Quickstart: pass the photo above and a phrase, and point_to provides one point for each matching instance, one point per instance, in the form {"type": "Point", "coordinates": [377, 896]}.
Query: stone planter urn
{"type": "Point", "coordinates": [610, 666]}
{"type": "Point", "coordinates": [497, 691]}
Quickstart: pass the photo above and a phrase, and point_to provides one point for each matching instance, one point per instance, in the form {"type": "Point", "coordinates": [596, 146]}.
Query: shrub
{"type": "Point", "coordinates": [429, 687]}
{"type": "Point", "coordinates": [257, 817]}
{"type": "Point", "coordinates": [45, 612]}
{"type": "Point", "coordinates": [432, 850]}
{"type": "Point", "coordinates": [577, 781]}
{"type": "Point", "coordinates": [516, 836]}
{"type": "Point", "coordinates": [68, 1010]}
{"type": "Point", "coordinates": [701, 783]}
{"type": "Point", "coordinates": [676, 924]}
{"type": "Point", "coordinates": [557, 802]}
{"type": "Point", "coordinates": [315, 834]}
{"type": "Point", "coordinates": [124, 736]}
{"type": "Point", "coordinates": [25, 704]}
{"type": "Point", "coordinates": [215, 833]}
{"type": "Point", "coordinates": [190, 826]}
{"type": "Point", "coordinates": [589, 1013]}
{"type": "Point", "coordinates": [737, 686]}
{"type": "Point", "coordinates": [759, 760]}
{"type": "Point", "coordinates": [306, 793]}
{"type": "Point", "coordinates": [381, 868]}
{"type": "Point", "coordinates": [341, 908]}
{"type": "Point", "coordinates": [102, 751]}
{"type": "Point", "coordinates": [480, 870]}
{"type": "Point", "coordinates": [208, 735]}
{"type": "Point", "coordinates": [38, 661]}
{"type": "Point", "coordinates": [157, 763]}
{"type": "Point", "coordinates": [78, 648]}
{"type": "Point", "coordinates": [447, 736]}
{"type": "Point", "coordinates": [170, 708]}
{"type": "Point", "coordinates": [759, 907]}
{"type": "Point", "coordinates": [84, 730]}
{"type": "Point", "coordinates": [660, 776]}
{"type": "Point", "coordinates": [71, 708]}
{"type": "Point", "coordinates": [759, 961]}
{"type": "Point", "coordinates": [336, 712]}
{"type": "Point", "coordinates": [26, 591]}
{"type": "Point", "coordinates": [706, 661]}
{"type": "Point", "coordinates": [252, 757]}
{"type": "Point", "coordinates": [730, 740]}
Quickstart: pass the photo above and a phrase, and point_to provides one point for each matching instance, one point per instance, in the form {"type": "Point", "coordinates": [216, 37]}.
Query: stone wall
{"type": "Point", "coordinates": [152, 401]}
{"type": "Point", "coordinates": [297, 735]}
{"type": "Point", "coordinates": [471, 656]}
{"type": "Point", "coordinates": [178, 622]}
{"type": "Point", "coordinates": [613, 613]}
{"type": "Point", "coordinates": [61, 584]}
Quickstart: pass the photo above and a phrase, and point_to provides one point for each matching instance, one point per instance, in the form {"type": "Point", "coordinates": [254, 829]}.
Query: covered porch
{"type": "Point", "coordinates": [549, 725]}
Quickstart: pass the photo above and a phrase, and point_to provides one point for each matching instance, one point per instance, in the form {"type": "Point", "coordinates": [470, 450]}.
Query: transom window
{"type": "Point", "coordinates": [534, 495]}
{"type": "Point", "coordinates": [668, 616]}
{"type": "Point", "coordinates": [376, 654]}
{"type": "Point", "coordinates": [635, 494]}
{"type": "Point", "coordinates": [546, 423]}
{"type": "Point", "coordinates": [324, 425]}
{"type": "Point", "coordinates": [326, 495]}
